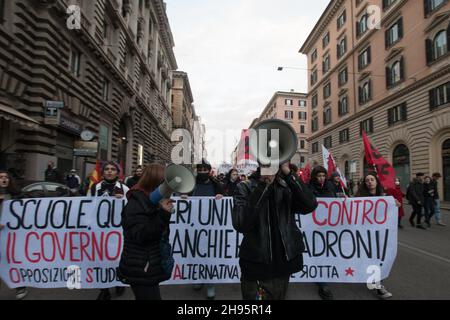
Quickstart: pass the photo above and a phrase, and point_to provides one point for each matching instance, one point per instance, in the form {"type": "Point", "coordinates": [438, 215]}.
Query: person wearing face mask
{"type": "Point", "coordinates": [398, 195]}
{"type": "Point", "coordinates": [207, 186]}
{"type": "Point", "coordinates": [322, 188]}
{"type": "Point", "coordinates": [231, 182]}
{"type": "Point", "coordinates": [9, 191]}
{"type": "Point", "coordinates": [110, 186]}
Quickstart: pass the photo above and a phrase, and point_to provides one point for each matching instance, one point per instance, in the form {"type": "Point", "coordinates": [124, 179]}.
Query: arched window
{"type": "Point", "coordinates": [440, 44]}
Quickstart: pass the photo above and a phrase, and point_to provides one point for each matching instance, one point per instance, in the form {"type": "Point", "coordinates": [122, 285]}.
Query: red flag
{"type": "Point", "coordinates": [306, 174]}
{"type": "Point", "coordinates": [331, 166]}
{"type": "Point", "coordinates": [384, 169]}
{"type": "Point", "coordinates": [95, 175]}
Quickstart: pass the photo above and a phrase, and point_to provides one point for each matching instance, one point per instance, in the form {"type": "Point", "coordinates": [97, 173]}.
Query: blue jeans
{"type": "Point", "coordinates": [437, 210]}
{"type": "Point", "coordinates": [429, 209]}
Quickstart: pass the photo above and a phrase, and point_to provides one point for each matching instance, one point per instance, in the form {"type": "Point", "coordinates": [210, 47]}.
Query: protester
{"type": "Point", "coordinates": [243, 177]}
{"type": "Point", "coordinates": [143, 265]}
{"type": "Point", "coordinates": [271, 250]}
{"type": "Point", "coordinates": [373, 188]}
{"type": "Point", "coordinates": [437, 201]}
{"type": "Point", "coordinates": [9, 191]}
{"type": "Point", "coordinates": [322, 188]}
{"type": "Point", "coordinates": [428, 197]}
{"type": "Point", "coordinates": [52, 174]}
{"type": "Point", "coordinates": [207, 186]}
{"type": "Point", "coordinates": [416, 199]}
{"type": "Point", "coordinates": [398, 195]}
{"type": "Point", "coordinates": [133, 180]}
{"type": "Point", "coordinates": [231, 182]}
{"type": "Point", "coordinates": [110, 186]}
{"type": "Point", "coordinates": [73, 182]}
{"type": "Point", "coordinates": [337, 185]}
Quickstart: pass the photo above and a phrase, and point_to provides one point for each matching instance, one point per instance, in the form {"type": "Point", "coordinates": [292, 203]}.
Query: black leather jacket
{"type": "Point", "coordinates": [251, 217]}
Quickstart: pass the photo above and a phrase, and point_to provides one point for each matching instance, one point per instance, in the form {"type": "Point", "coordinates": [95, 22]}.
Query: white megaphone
{"type": "Point", "coordinates": [177, 179]}
{"type": "Point", "coordinates": [273, 142]}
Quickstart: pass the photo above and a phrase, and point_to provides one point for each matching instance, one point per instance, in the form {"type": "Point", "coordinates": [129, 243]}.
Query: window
{"type": "Point", "coordinates": [440, 96]}
{"type": "Point", "coordinates": [289, 115]}
{"type": "Point", "coordinates": [343, 106]}
{"type": "Point", "coordinates": [365, 92]}
{"type": "Point", "coordinates": [315, 124]}
{"type": "Point", "coordinates": [432, 5]}
{"type": "Point", "coordinates": [327, 91]}
{"type": "Point", "coordinates": [395, 73]}
{"type": "Point", "coordinates": [361, 25]}
{"type": "Point", "coordinates": [302, 144]}
{"type": "Point", "coordinates": [2, 11]}
{"type": "Point", "coordinates": [341, 20]}
{"type": "Point", "coordinates": [394, 33]}
{"type": "Point", "coordinates": [302, 103]}
{"type": "Point", "coordinates": [326, 40]}
{"type": "Point", "coordinates": [364, 58]}
{"type": "Point", "coordinates": [314, 77]}
{"type": "Point", "coordinates": [315, 147]}
{"type": "Point", "coordinates": [328, 142]}
{"type": "Point", "coordinates": [367, 126]}
{"type": "Point", "coordinates": [105, 90]}
{"type": "Point", "coordinates": [326, 65]}
{"type": "Point", "coordinates": [343, 76]}
{"type": "Point", "coordinates": [314, 101]}
{"type": "Point", "coordinates": [397, 114]}
{"type": "Point", "coordinates": [344, 136]}
{"type": "Point", "coordinates": [302, 129]}
{"type": "Point", "coordinates": [104, 142]}
{"type": "Point", "coordinates": [387, 3]}
{"type": "Point", "coordinates": [289, 102]}
{"type": "Point", "coordinates": [75, 62]}
{"type": "Point", "coordinates": [327, 116]}
{"type": "Point", "coordinates": [342, 47]}
{"type": "Point", "coordinates": [439, 46]}
{"type": "Point", "coordinates": [314, 56]}
{"type": "Point", "coordinates": [302, 116]}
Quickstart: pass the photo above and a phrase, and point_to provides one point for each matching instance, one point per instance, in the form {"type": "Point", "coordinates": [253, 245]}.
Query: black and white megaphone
{"type": "Point", "coordinates": [273, 142]}
{"type": "Point", "coordinates": [177, 179]}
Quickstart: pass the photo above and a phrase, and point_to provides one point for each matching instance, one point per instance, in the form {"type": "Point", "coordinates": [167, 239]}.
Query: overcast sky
{"type": "Point", "coordinates": [231, 50]}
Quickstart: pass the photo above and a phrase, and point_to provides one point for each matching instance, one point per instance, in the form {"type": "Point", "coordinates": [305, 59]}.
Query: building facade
{"type": "Point", "coordinates": [382, 66]}
{"type": "Point", "coordinates": [291, 107]}
{"type": "Point", "coordinates": [112, 74]}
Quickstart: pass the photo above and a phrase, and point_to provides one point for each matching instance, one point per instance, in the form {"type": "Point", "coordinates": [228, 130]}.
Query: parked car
{"type": "Point", "coordinates": [45, 190]}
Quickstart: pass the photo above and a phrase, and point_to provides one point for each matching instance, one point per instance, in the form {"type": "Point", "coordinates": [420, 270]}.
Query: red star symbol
{"type": "Point", "coordinates": [350, 272]}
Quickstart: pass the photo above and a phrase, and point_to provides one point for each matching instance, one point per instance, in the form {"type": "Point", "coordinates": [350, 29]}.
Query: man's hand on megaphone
{"type": "Point", "coordinates": [167, 205]}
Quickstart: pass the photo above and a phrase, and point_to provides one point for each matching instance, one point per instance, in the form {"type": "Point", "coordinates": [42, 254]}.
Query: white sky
{"type": "Point", "coordinates": [231, 50]}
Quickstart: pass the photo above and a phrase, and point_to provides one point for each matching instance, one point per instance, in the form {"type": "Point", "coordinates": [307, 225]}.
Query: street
{"type": "Point", "coordinates": [421, 271]}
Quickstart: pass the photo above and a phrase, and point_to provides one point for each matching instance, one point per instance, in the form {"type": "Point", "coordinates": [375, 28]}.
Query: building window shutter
{"type": "Point", "coordinates": [388, 77]}
{"type": "Point", "coordinates": [402, 68]}
{"type": "Point", "coordinates": [427, 7]}
{"type": "Point", "coordinates": [387, 39]}
{"type": "Point", "coordinates": [370, 89]}
{"type": "Point", "coordinates": [369, 58]}
{"type": "Point", "coordinates": [404, 111]}
{"type": "Point", "coordinates": [360, 95]}
{"type": "Point", "coordinates": [340, 107]}
{"type": "Point", "coordinates": [448, 38]}
{"type": "Point", "coordinates": [429, 49]}
{"type": "Point", "coordinates": [400, 28]}
{"type": "Point", "coordinates": [433, 98]}
{"type": "Point", "coordinates": [390, 117]}
{"type": "Point", "coordinates": [371, 125]}
{"type": "Point", "coordinates": [448, 92]}
{"type": "Point", "coordinates": [357, 29]}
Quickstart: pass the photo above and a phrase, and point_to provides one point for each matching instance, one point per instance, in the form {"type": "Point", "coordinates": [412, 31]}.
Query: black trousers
{"type": "Point", "coordinates": [417, 212]}
{"type": "Point", "coordinates": [146, 292]}
{"type": "Point", "coordinates": [273, 289]}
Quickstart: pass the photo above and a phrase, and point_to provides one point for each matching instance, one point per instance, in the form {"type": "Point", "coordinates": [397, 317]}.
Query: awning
{"type": "Point", "coordinates": [13, 115]}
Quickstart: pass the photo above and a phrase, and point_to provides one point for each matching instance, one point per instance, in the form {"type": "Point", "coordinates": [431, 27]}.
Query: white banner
{"type": "Point", "coordinates": [76, 242]}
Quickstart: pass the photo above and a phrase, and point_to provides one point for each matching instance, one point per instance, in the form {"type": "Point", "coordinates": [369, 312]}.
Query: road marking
{"type": "Point", "coordinates": [424, 253]}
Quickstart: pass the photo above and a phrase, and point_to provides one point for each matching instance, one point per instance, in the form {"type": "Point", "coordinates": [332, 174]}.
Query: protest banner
{"type": "Point", "coordinates": [76, 242]}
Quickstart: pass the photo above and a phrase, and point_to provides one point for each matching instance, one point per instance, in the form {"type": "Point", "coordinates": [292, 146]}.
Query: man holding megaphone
{"type": "Point", "coordinates": [264, 211]}
{"type": "Point", "coordinates": [146, 259]}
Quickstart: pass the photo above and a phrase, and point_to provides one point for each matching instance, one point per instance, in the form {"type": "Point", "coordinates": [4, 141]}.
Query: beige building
{"type": "Point", "coordinates": [111, 75]}
{"type": "Point", "coordinates": [291, 107]}
{"type": "Point", "coordinates": [391, 80]}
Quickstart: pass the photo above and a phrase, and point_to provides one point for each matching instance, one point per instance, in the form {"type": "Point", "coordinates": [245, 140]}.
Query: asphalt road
{"type": "Point", "coordinates": [421, 271]}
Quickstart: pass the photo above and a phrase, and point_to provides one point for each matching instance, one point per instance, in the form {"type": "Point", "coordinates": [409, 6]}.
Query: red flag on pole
{"type": "Point", "coordinates": [384, 169]}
